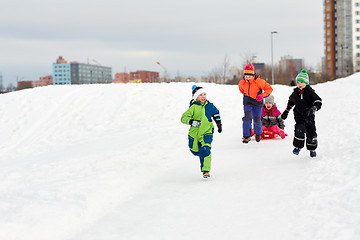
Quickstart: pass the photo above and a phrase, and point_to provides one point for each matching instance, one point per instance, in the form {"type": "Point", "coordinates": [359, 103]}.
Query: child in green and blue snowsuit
{"type": "Point", "coordinates": [199, 117]}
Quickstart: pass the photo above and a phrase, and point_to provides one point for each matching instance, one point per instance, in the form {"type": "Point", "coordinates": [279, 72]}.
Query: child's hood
{"type": "Point", "coordinates": [274, 109]}
{"type": "Point", "coordinates": [192, 102]}
{"type": "Point", "coordinates": [307, 88]}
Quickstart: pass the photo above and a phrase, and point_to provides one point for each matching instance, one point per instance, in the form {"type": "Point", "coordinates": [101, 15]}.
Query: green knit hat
{"type": "Point", "coordinates": [303, 77]}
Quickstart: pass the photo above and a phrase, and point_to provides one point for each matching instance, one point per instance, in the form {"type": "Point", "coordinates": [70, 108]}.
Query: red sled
{"type": "Point", "coordinates": [268, 135]}
{"type": "Point", "coordinates": [265, 134]}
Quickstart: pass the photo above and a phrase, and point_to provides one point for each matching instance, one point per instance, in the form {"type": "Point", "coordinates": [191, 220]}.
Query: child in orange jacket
{"type": "Point", "coordinates": [254, 90]}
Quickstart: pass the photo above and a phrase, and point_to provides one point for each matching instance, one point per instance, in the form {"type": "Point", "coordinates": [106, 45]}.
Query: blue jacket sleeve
{"type": "Point", "coordinates": [216, 114]}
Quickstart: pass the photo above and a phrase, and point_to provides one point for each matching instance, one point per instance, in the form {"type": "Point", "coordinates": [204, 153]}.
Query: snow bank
{"type": "Point", "coordinates": [111, 162]}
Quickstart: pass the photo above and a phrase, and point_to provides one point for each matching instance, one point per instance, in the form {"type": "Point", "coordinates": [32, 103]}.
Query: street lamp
{"type": "Point", "coordinates": [165, 71]}
{"type": "Point", "coordinates": [272, 59]}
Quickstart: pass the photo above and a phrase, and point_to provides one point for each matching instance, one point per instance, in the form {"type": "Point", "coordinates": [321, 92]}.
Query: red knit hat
{"type": "Point", "coordinates": [249, 69]}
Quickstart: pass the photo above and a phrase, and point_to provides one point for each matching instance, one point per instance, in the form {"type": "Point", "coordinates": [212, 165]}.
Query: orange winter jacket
{"type": "Point", "coordinates": [252, 88]}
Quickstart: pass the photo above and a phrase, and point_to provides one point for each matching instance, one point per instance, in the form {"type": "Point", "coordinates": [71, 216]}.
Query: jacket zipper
{"type": "Point", "coordinates": [301, 94]}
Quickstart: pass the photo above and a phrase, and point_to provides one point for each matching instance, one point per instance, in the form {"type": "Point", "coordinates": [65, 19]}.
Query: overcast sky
{"type": "Point", "coordinates": [188, 37]}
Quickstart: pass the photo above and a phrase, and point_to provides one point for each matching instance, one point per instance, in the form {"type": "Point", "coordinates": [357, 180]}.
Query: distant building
{"type": "Point", "coordinates": [122, 78]}
{"type": "Point", "coordinates": [290, 65]}
{"type": "Point", "coordinates": [144, 76]}
{"type": "Point", "coordinates": [24, 85]}
{"type": "Point", "coordinates": [342, 37]}
{"type": "Point", "coordinates": [80, 73]}
{"type": "Point", "coordinates": [61, 72]}
{"type": "Point", "coordinates": [43, 81]}
{"type": "Point", "coordinates": [259, 68]}
{"type": "Point", "coordinates": [234, 72]}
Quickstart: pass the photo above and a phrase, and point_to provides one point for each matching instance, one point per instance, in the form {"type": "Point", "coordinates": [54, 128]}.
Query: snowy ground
{"type": "Point", "coordinates": [106, 162]}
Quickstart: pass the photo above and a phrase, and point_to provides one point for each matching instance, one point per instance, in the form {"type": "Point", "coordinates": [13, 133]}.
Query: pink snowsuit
{"type": "Point", "coordinates": [272, 121]}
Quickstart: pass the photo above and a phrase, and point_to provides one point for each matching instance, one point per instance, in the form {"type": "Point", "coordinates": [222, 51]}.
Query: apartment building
{"type": "Point", "coordinates": [79, 73]}
{"type": "Point", "coordinates": [342, 37]}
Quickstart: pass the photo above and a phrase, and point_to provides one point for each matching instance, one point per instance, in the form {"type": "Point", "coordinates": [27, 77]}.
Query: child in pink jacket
{"type": "Point", "coordinates": [270, 118]}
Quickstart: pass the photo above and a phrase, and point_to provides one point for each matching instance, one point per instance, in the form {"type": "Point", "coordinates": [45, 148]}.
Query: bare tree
{"type": "Point", "coordinates": [225, 68]}
{"type": "Point", "coordinates": [215, 75]}
{"type": "Point", "coordinates": [247, 57]}
{"type": "Point", "coordinates": [10, 87]}
{"type": "Point", "coordinates": [219, 73]}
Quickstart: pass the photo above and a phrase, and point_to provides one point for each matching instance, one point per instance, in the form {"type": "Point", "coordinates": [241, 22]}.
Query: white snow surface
{"type": "Point", "coordinates": [106, 162]}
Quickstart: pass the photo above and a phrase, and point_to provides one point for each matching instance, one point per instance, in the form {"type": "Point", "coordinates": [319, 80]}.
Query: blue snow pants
{"type": "Point", "coordinates": [252, 113]}
{"type": "Point", "coordinates": [204, 152]}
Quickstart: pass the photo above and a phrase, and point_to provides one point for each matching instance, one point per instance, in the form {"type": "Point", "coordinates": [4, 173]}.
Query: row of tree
{"type": "Point", "coordinates": [283, 77]}
{"type": "Point", "coordinates": [220, 74]}
{"type": "Point", "coordinates": [10, 87]}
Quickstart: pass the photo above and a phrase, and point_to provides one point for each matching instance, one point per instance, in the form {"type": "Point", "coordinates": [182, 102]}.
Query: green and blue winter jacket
{"type": "Point", "coordinates": [204, 114]}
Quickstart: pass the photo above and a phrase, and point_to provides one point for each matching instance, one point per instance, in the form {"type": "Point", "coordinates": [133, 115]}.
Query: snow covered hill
{"type": "Point", "coordinates": [110, 162]}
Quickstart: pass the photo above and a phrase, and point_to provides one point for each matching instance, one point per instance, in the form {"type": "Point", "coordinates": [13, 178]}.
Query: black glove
{"type": "Point", "coordinates": [219, 125]}
{"type": "Point", "coordinates": [284, 115]}
{"type": "Point", "coordinates": [311, 111]}
{"type": "Point", "coordinates": [194, 123]}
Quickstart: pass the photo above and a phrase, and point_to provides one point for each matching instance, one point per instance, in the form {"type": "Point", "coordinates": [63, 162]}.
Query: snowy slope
{"type": "Point", "coordinates": [111, 162]}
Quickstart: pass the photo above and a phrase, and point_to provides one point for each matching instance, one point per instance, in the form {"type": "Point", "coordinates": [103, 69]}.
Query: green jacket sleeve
{"type": "Point", "coordinates": [187, 116]}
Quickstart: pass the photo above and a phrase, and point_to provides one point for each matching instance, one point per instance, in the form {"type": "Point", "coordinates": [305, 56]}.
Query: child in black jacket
{"type": "Point", "coordinates": [306, 102]}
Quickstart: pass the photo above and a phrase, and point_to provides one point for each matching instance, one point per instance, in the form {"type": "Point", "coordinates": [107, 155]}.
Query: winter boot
{"type": "Point", "coordinates": [246, 139]}
{"type": "Point", "coordinates": [206, 174]}
{"type": "Point", "coordinates": [258, 138]}
{"type": "Point", "coordinates": [312, 153]}
{"type": "Point", "coordinates": [296, 151]}
{"type": "Point", "coordinates": [282, 133]}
